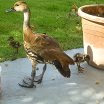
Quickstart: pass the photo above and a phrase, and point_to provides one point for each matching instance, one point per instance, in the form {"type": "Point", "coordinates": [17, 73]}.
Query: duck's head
{"type": "Point", "coordinates": [87, 58]}
{"type": "Point", "coordinates": [18, 6]}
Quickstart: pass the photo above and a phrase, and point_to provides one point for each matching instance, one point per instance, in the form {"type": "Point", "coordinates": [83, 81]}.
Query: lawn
{"type": "Point", "coordinates": [54, 17]}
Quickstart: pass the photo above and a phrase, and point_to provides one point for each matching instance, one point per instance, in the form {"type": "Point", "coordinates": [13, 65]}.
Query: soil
{"type": "Point", "coordinates": [95, 10]}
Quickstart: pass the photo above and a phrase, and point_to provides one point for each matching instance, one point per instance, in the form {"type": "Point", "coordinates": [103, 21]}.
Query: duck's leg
{"type": "Point", "coordinates": [16, 50]}
{"type": "Point", "coordinates": [80, 69]}
{"type": "Point", "coordinates": [31, 83]}
{"type": "Point", "coordinates": [39, 78]}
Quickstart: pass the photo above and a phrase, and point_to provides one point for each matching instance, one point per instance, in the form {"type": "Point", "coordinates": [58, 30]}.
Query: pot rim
{"type": "Point", "coordinates": [89, 16]}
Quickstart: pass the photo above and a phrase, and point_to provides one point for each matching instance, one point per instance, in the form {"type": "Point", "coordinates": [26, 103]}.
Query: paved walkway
{"type": "Point", "coordinates": [83, 88]}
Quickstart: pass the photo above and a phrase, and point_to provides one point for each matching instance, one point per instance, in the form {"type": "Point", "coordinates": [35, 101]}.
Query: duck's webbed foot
{"type": "Point", "coordinates": [39, 78]}
{"type": "Point", "coordinates": [81, 70]}
{"type": "Point", "coordinates": [27, 84]}
{"type": "Point", "coordinates": [30, 83]}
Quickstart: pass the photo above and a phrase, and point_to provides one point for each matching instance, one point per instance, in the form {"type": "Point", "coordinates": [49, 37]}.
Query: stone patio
{"type": "Point", "coordinates": [81, 88]}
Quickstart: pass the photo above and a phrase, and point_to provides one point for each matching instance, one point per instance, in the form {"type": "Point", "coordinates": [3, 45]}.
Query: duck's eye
{"type": "Point", "coordinates": [16, 5]}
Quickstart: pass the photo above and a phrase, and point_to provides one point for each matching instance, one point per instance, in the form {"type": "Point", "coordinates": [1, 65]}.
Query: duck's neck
{"type": "Point", "coordinates": [26, 24]}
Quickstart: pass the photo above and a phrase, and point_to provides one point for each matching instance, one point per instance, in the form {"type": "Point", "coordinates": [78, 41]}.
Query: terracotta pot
{"type": "Point", "coordinates": [93, 33]}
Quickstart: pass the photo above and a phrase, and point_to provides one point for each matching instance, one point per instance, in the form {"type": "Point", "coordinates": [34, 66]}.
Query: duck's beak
{"type": "Point", "coordinates": [10, 10]}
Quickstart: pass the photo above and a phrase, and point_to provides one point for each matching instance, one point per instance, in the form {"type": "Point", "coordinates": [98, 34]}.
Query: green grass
{"type": "Point", "coordinates": [48, 16]}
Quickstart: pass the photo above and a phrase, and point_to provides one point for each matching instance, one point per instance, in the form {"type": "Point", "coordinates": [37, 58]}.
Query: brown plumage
{"type": "Point", "coordinates": [75, 8]}
{"type": "Point", "coordinates": [80, 58]}
{"type": "Point", "coordinates": [40, 48]}
{"type": "Point", "coordinates": [14, 44]}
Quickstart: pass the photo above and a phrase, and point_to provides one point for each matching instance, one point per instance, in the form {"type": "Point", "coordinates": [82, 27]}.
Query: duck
{"type": "Point", "coordinates": [80, 58]}
{"type": "Point", "coordinates": [40, 48]}
{"type": "Point", "coordinates": [13, 43]}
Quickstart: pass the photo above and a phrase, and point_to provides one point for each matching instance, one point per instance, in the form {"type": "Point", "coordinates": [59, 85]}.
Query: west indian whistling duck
{"type": "Point", "coordinates": [80, 58]}
{"type": "Point", "coordinates": [40, 48]}
{"type": "Point", "coordinates": [14, 44]}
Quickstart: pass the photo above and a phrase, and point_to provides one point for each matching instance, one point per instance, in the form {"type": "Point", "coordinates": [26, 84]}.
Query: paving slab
{"type": "Point", "coordinates": [80, 88]}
